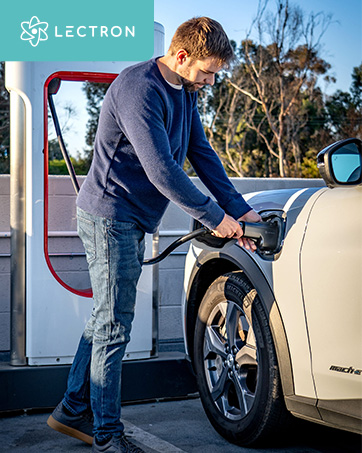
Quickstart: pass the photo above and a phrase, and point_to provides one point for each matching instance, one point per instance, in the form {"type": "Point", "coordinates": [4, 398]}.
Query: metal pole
{"type": "Point", "coordinates": [17, 229]}
{"type": "Point", "coordinates": [155, 296]}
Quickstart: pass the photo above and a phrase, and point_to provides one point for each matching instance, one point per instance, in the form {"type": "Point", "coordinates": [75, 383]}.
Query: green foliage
{"type": "Point", "coordinates": [344, 110]}
{"type": "Point", "coordinates": [356, 88]}
{"type": "Point", "coordinates": [54, 151]}
{"type": "Point", "coordinates": [267, 115]}
{"type": "Point", "coordinates": [59, 167]}
{"type": "Point", "coordinates": [95, 93]}
{"type": "Point", "coordinates": [309, 167]}
{"type": "Point", "coordinates": [4, 123]}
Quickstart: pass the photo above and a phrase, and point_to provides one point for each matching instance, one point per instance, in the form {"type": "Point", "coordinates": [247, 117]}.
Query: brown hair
{"type": "Point", "coordinates": [203, 37]}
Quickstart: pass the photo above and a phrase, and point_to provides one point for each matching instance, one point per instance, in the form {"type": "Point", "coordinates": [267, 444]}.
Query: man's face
{"type": "Point", "coordinates": [195, 74]}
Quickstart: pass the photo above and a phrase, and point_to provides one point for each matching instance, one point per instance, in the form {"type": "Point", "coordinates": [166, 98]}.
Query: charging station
{"type": "Point", "coordinates": [49, 307]}
{"type": "Point", "coordinates": [49, 314]}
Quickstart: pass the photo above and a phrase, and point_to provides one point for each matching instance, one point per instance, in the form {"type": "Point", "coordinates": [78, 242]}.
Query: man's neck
{"type": "Point", "coordinates": [165, 66]}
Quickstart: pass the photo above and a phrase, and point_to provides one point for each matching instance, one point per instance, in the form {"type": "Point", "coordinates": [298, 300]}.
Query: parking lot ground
{"type": "Point", "coordinates": [168, 427]}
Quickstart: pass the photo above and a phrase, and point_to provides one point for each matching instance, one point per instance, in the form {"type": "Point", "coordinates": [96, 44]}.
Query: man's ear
{"type": "Point", "coordinates": [181, 56]}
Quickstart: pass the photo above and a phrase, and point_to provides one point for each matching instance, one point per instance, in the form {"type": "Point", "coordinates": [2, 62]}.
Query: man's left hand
{"type": "Point", "coordinates": [250, 216]}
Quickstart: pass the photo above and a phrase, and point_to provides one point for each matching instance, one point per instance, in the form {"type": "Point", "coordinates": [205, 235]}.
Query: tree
{"type": "Point", "coordinates": [66, 112]}
{"type": "Point", "coordinates": [280, 74]}
{"type": "Point", "coordinates": [224, 112]}
{"type": "Point", "coordinates": [4, 123]}
{"type": "Point", "coordinates": [356, 88]}
{"type": "Point", "coordinates": [265, 108]}
{"type": "Point", "coordinates": [345, 109]}
{"type": "Point", "coordinates": [95, 93]}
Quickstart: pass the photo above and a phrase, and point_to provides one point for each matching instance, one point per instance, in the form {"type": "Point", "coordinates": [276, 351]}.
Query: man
{"type": "Point", "coordinates": [148, 124]}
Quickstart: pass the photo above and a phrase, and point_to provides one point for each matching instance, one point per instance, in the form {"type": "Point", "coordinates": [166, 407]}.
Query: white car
{"type": "Point", "coordinates": [279, 331]}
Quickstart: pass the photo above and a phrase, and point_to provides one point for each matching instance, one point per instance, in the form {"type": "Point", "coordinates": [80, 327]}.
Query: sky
{"type": "Point", "coordinates": [342, 43]}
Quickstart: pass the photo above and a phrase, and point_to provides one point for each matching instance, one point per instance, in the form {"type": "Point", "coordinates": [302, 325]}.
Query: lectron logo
{"type": "Point", "coordinates": [34, 31]}
{"type": "Point", "coordinates": [124, 31]}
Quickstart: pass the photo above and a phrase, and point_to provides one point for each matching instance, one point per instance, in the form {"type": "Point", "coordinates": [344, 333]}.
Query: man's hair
{"type": "Point", "coordinates": [203, 37]}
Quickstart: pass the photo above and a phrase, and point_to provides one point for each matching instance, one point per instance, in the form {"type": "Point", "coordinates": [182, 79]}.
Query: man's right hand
{"type": "Point", "coordinates": [228, 228]}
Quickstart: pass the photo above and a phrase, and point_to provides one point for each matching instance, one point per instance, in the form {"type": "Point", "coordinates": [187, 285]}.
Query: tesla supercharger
{"type": "Point", "coordinates": [48, 314]}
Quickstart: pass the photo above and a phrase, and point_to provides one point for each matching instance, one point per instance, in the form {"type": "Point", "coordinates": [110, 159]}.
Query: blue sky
{"type": "Point", "coordinates": [342, 43]}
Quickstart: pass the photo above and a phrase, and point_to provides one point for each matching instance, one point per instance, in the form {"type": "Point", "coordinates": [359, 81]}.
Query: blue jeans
{"type": "Point", "coordinates": [114, 253]}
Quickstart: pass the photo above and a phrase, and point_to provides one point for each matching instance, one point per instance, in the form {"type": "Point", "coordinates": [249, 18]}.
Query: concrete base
{"type": "Point", "coordinates": [167, 376]}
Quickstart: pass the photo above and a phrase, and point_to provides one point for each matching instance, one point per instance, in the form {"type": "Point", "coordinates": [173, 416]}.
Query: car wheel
{"type": "Point", "coordinates": [235, 362]}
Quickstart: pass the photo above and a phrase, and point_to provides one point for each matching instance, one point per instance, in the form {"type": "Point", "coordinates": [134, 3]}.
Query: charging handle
{"type": "Point", "coordinates": [267, 236]}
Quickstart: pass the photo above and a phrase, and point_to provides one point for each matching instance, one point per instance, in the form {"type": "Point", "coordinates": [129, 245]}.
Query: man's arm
{"type": "Point", "coordinates": [140, 116]}
{"type": "Point", "coordinates": [209, 168]}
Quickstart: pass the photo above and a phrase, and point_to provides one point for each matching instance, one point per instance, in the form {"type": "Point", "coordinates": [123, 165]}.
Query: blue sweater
{"type": "Point", "coordinates": [146, 128]}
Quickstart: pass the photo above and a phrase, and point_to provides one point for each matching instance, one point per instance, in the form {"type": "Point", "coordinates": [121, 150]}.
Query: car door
{"type": "Point", "coordinates": [331, 284]}
{"type": "Point", "coordinates": [331, 278]}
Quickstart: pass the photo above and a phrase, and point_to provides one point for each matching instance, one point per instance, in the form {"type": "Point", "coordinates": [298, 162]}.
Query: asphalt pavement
{"type": "Point", "coordinates": [168, 427]}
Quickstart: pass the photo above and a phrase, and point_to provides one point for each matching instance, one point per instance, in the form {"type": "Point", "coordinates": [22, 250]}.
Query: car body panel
{"type": "Point", "coordinates": [331, 271]}
{"type": "Point", "coordinates": [310, 287]}
{"type": "Point", "coordinates": [284, 279]}
{"type": "Point", "coordinates": [297, 204]}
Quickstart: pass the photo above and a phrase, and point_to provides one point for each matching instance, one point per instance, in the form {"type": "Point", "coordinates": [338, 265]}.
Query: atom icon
{"type": "Point", "coordinates": [34, 31]}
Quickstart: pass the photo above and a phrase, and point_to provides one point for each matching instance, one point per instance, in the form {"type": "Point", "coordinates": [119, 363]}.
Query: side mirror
{"type": "Point", "coordinates": [340, 164]}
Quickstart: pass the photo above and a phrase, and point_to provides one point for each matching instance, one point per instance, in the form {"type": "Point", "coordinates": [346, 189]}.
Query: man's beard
{"type": "Point", "coordinates": [191, 87]}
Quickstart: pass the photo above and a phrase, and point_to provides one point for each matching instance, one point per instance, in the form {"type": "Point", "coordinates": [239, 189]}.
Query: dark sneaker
{"type": "Point", "coordinates": [116, 445]}
{"type": "Point", "coordinates": [78, 426]}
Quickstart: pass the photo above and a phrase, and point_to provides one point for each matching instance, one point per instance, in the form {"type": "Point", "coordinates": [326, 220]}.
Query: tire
{"type": "Point", "coordinates": [238, 379]}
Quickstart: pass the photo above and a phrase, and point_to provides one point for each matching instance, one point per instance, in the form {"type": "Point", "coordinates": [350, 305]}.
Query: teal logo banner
{"type": "Point", "coordinates": [70, 30]}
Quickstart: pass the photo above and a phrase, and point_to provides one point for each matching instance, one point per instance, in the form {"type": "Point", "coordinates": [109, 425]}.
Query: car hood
{"type": "Point", "coordinates": [280, 199]}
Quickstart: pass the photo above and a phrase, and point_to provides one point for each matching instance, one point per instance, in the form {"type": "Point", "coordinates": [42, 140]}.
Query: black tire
{"type": "Point", "coordinates": [238, 379]}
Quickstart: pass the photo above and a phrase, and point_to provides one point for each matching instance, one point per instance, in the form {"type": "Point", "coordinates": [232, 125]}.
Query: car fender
{"type": "Point", "coordinates": [204, 266]}
{"type": "Point", "coordinates": [229, 259]}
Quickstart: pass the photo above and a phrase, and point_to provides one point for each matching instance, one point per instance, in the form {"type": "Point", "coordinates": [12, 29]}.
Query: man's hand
{"type": "Point", "coordinates": [230, 228]}
{"type": "Point", "coordinates": [250, 216]}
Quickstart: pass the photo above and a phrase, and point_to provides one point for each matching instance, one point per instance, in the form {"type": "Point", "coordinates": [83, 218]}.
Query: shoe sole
{"type": "Point", "coordinates": [64, 429]}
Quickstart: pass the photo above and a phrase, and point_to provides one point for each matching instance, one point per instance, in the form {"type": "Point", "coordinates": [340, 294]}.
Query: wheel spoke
{"type": "Point", "coordinates": [245, 397]}
{"type": "Point", "coordinates": [240, 395]}
{"type": "Point", "coordinates": [246, 356]}
{"type": "Point", "coordinates": [250, 340]}
{"type": "Point", "coordinates": [219, 388]}
{"type": "Point", "coordinates": [213, 343]}
{"type": "Point", "coordinates": [232, 320]}
{"type": "Point", "coordinates": [232, 358]}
